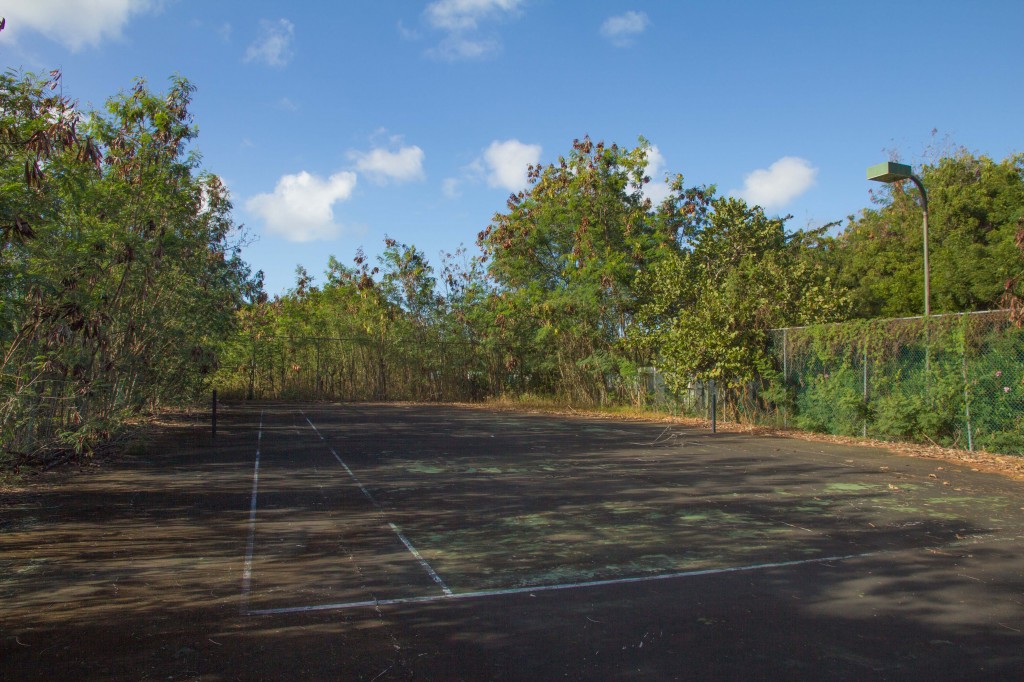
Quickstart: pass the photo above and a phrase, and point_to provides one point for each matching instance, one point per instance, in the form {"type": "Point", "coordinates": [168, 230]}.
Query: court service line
{"type": "Point", "coordinates": [445, 590]}
{"type": "Point", "coordinates": [423, 562]}
{"type": "Point", "coordinates": [560, 586]}
{"type": "Point", "coordinates": [249, 545]}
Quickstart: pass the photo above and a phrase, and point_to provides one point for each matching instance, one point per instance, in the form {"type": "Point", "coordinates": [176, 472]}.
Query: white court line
{"type": "Point", "coordinates": [423, 562]}
{"type": "Point", "coordinates": [345, 466]}
{"type": "Point", "coordinates": [562, 586]}
{"type": "Point", "coordinates": [405, 541]}
{"type": "Point", "coordinates": [247, 569]}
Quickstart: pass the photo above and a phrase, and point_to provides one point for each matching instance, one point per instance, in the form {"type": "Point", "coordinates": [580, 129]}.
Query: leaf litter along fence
{"type": "Point", "coordinates": [951, 380]}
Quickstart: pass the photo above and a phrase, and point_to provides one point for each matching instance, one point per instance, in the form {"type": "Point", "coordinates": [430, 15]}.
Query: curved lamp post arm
{"type": "Point", "coordinates": [892, 172]}
{"type": "Point", "coordinates": [924, 209]}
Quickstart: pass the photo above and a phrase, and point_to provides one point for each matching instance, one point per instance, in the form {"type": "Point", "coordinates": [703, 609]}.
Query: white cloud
{"type": "Point", "coordinates": [74, 23]}
{"type": "Point", "coordinates": [503, 164]}
{"type": "Point", "coordinates": [452, 188]}
{"type": "Point", "coordinates": [657, 189]}
{"type": "Point", "coordinates": [783, 181]}
{"type": "Point", "coordinates": [407, 33]}
{"type": "Point", "coordinates": [461, 21]}
{"type": "Point", "coordinates": [457, 47]}
{"type": "Point", "coordinates": [273, 47]}
{"type": "Point", "coordinates": [382, 165]}
{"type": "Point", "coordinates": [622, 29]}
{"type": "Point", "coordinates": [508, 161]}
{"type": "Point", "coordinates": [301, 207]}
{"type": "Point", "coordinates": [466, 15]}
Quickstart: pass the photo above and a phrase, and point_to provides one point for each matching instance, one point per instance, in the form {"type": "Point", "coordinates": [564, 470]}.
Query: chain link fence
{"type": "Point", "coordinates": [693, 400]}
{"type": "Point", "coordinates": [951, 380]}
{"type": "Point", "coordinates": [955, 381]}
{"type": "Point", "coordinates": [368, 368]}
{"type": "Point", "coordinates": [348, 369]}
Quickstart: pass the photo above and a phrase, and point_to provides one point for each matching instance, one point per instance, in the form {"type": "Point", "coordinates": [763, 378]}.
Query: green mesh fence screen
{"type": "Point", "coordinates": [951, 380]}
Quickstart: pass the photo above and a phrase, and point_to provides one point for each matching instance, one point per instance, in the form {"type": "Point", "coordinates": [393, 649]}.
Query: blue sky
{"type": "Point", "coordinates": [335, 124]}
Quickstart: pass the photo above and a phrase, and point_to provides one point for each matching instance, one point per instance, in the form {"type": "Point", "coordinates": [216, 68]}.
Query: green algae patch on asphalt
{"type": "Point", "coordinates": [850, 487]}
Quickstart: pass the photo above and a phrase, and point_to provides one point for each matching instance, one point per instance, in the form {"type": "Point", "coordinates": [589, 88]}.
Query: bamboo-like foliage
{"type": "Point", "coordinates": [361, 338]}
{"type": "Point", "coordinates": [117, 261]}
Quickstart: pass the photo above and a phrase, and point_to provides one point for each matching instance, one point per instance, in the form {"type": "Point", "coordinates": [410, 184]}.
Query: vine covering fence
{"type": "Point", "coordinates": [952, 380]}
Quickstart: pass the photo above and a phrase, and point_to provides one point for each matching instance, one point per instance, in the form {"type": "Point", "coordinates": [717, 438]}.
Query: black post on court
{"type": "Point", "coordinates": [213, 417]}
{"type": "Point", "coordinates": [714, 408]}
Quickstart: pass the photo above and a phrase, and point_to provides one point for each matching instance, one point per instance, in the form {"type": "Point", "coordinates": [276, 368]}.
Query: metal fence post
{"type": "Point", "coordinates": [785, 376]}
{"type": "Point", "coordinates": [785, 359]}
{"type": "Point", "coordinates": [250, 394]}
{"type": "Point", "coordinates": [967, 394]}
{"type": "Point", "coordinates": [714, 407]}
{"type": "Point", "coordinates": [865, 430]}
{"type": "Point", "coordinates": [319, 382]}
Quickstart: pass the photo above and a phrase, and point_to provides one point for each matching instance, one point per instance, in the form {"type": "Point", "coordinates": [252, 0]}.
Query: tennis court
{"type": "Point", "coordinates": [436, 542]}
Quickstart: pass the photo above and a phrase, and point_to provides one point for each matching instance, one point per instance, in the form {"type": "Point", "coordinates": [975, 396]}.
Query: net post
{"type": "Point", "coordinates": [213, 416]}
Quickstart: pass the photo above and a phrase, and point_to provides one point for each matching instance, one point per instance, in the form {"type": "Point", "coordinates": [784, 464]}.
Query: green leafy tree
{"type": "Point", "coordinates": [564, 258]}
{"type": "Point", "coordinates": [408, 281]}
{"type": "Point", "coordinates": [120, 259]}
{"type": "Point", "coordinates": [708, 308]}
{"type": "Point", "coordinates": [975, 204]}
{"type": "Point", "coordinates": [1013, 296]}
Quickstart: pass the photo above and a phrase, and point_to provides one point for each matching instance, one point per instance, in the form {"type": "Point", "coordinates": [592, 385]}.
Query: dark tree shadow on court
{"type": "Point", "coordinates": [134, 571]}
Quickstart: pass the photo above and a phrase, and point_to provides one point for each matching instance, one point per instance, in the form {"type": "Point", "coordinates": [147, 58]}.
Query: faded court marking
{"type": "Point", "coordinates": [562, 586]}
{"type": "Point", "coordinates": [445, 590]}
{"type": "Point", "coordinates": [247, 569]}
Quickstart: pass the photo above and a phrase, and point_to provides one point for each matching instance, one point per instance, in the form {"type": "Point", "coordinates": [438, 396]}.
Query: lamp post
{"type": "Point", "coordinates": [891, 172]}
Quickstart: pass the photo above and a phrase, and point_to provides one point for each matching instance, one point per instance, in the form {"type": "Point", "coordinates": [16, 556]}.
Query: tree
{"type": "Point", "coordinates": [1013, 296]}
{"type": "Point", "coordinates": [119, 258]}
{"type": "Point", "coordinates": [408, 281]}
{"type": "Point", "coordinates": [974, 203]}
{"type": "Point", "coordinates": [708, 308]}
{"type": "Point", "coordinates": [564, 258]}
